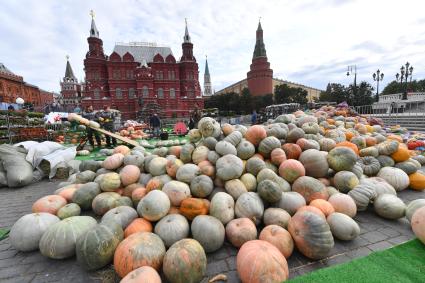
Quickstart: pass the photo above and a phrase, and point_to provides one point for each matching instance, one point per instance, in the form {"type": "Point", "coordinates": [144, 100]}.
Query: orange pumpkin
{"type": "Point", "coordinates": [154, 184]}
{"type": "Point", "coordinates": [417, 181]}
{"type": "Point", "coordinates": [402, 154]}
{"type": "Point", "coordinates": [68, 192]}
{"type": "Point", "coordinates": [360, 128]}
{"type": "Point", "coordinates": [128, 191]}
{"type": "Point", "coordinates": [349, 135]}
{"type": "Point", "coordinates": [330, 121]}
{"type": "Point", "coordinates": [144, 274]}
{"type": "Point", "coordinates": [292, 150]}
{"type": "Point", "coordinates": [259, 261]}
{"type": "Point", "coordinates": [138, 194]}
{"type": "Point", "coordinates": [324, 206]}
{"type": "Point", "coordinates": [278, 237]}
{"type": "Point", "coordinates": [192, 207]}
{"type": "Point", "coordinates": [207, 168]}
{"type": "Point", "coordinates": [370, 141]}
{"type": "Point", "coordinates": [137, 250]}
{"type": "Point", "coordinates": [349, 145]}
{"type": "Point", "coordinates": [312, 209]}
{"type": "Point", "coordinates": [227, 129]}
{"type": "Point", "coordinates": [122, 149]}
{"type": "Point", "coordinates": [138, 225]}
{"type": "Point", "coordinates": [50, 204]}
{"type": "Point", "coordinates": [175, 150]}
{"type": "Point", "coordinates": [255, 134]}
{"type": "Point", "coordinates": [277, 156]}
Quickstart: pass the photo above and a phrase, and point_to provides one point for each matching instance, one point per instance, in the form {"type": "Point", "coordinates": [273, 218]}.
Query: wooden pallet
{"type": "Point", "coordinates": [118, 137]}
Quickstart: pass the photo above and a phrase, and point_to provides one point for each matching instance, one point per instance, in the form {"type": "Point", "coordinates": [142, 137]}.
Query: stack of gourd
{"type": "Point", "coordinates": [295, 182]}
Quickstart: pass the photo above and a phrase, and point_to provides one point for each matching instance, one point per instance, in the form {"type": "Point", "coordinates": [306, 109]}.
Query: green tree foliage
{"type": "Point", "coordinates": [397, 87]}
{"type": "Point", "coordinates": [287, 94]}
{"type": "Point", "coordinates": [362, 95]}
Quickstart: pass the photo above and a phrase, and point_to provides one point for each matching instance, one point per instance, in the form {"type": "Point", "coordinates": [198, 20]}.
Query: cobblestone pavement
{"type": "Point", "coordinates": [376, 234]}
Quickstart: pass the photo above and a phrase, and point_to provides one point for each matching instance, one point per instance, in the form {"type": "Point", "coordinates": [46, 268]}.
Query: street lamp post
{"type": "Point", "coordinates": [405, 72]}
{"type": "Point", "coordinates": [350, 70]}
{"type": "Point", "coordinates": [378, 76]}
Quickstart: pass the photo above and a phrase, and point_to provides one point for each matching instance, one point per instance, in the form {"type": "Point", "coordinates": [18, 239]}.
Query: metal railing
{"type": "Point", "coordinates": [416, 108]}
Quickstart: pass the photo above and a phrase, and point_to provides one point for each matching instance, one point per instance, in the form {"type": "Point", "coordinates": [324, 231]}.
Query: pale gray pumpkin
{"type": "Point", "coordinates": [201, 186]}
{"type": "Point", "coordinates": [268, 174]}
{"type": "Point", "coordinates": [370, 165]}
{"type": "Point", "coordinates": [26, 233]}
{"type": "Point", "coordinates": [137, 160]}
{"type": "Point", "coordinates": [362, 194]}
{"type": "Point", "coordinates": [157, 166]}
{"type": "Point", "coordinates": [176, 191]}
{"type": "Point", "coordinates": [245, 150]}
{"type": "Point", "coordinates": [200, 154]}
{"type": "Point", "coordinates": [213, 156]}
{"type": "Point", "coordinates": [276, 216]}
{"type": "Point", "coordinates": [343, 227]}
{"type": "Point", "coordinates": [208, 231]}
{"type": "Point", "coordinates": [222, 207]}
{"type": "Point", "coordinates": [369, 151]}
{"type": "Point", "coordinates": [379, 185]}
{"type": "Point", "coordinates": [85, 177]}
{"type": "Point", "coordinates": [59, 240]}
{"type": "Point", "coordinates": [267, 145]}
{"type": "Point", "coordinates": [395, 177]}
{"type": "Point", "coordinates": [255, 165]}
{"type": "Point", "coordinates": [389, 206]}
{"type": "Point", "coordinates": [172, 228]}
{"type": "Point", "coordinates": [124, 201]}
{"type": "Point", "coordinates": [251, 206]}
{"type": "Point", "coordinates": [294, 135]}
{"type": "Point", "coordinates": [413, 206]}
{"type": "Point", "coordinates": [154, 205]}
{"type": "Point", "coordinates": [210, 142]}
{"type": "Point", "coordinates": [331, 190]}
{"type": "Point", "coordinates": [187, 172]}
{"type": "Point", "coordinates": [385, 161]}
{"type": "Point", "coordinates": [234, 138]}
{"type": "Point", "coordinates": [409, 166]}
{"type": "Point", "coordinates": [144, 178]}
{"type": "Point", "coordinates": [314, 162]}
{"type": "Point", "coordinates": [223, 147]}
{"type": "Point", "coordinates": [326, 144]}
{"type": "Point", "coordinates": [229, 167]}
{"type": "Point", "coordinates": [291, 202]}
{"type": "Point", "coordinates": [186, 153]}
{"type": "Point", "coordinates": [123, 215]}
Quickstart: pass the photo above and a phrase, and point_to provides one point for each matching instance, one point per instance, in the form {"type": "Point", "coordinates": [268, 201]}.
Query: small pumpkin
{"type": "Point", "coordinates": [201, 186]}
{"type": "Point", "coordinates": [324, 206]}
{"type": "Point", "coordinates": [277, 156]}
{"type": "Point", "coordinates": [49, 204]}
{"type": "Point", "coordinates": [251, 206]}
{"type": "Point", "coordinates": [267, 145]}
{"type": "Point", "coordinates": [129, 175]}
{"type": "Point", "coordinates": [291, 202]}
{"type": "Point", "coordinates": [124, 150]}
{"type": "Point", "coordinates": [138, 225]}
{"type": "Point", "coordinates": [315, 163]}
{"type": "Point", "coordinates": [255, 134]}
{"type": "Point", "coordinates": [229, 167]}
{"type": "Point", "coordinates": [402, 154]}
{"type": "Point", "coordinates": [388, 147]}
{"type": "Point", "coordinates": [395, 177]}
{"type": "Point", "coordinates": [370, 165]}
{"type": "Point", "coordinates": [417, 181]}
{"type": "Point", "coordinates": [154, 205]}
{"type": "Point", "coordinates": [343, 227]}
{"type": "Point", "coordinates": [385, 161]}
{"type": "Point", "coordinates": [278, 237]}
{"type": "Point", "coordinates": [122, 215]}
{"type": "Point", "coordinates": [71, 209]}
{"type": "Point", "coordinates": [172, 228]}
{"type": "Point", "coordinates": [255, 165]}
{"type": "Point", "coordinates": [113, 162]}
{"type": "Point", "coordinates": [292, 150]}
{"type": "Point", "coordinates": [310, 188]}
{"type": "Point", "coordinates": [235, 188]}
{"type": "Point", "coordinates": [245, 150]}
{"type": "Point", "coordinates": [362, 194]}
{"type": "Point", "coordinates": [110, 182]}
{"type": "Point", "coordinates": [345, 181]}
{"type": "Point", "coordinates": [344, 204]}
{"type": "Point", "coordinates": [341, 158]}
{"type": "Point", "coordinates": [291, 170]}
{"type": "Point", "coordinates": [192, 207]}
{"type": "Point", "coordinates": [276, 216]}
{"type": "Point", "coordinates": [222, 207]}
{"type": "Point", "coordinates": [240, 230]}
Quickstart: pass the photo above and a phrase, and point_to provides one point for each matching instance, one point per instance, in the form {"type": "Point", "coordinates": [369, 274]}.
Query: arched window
{"type": "Point", "coordinates": [145, 91]}
{"type": "Point", "coordinates": [131, 93]}
{"type": "Point", "coordinates": [118, 93]}
{"type": "Point", "coordinates": [96, 93]}
{"type": "Point", "coordinates": [160, 93]}
{"type": "Point", "coordinates": [172, 93]}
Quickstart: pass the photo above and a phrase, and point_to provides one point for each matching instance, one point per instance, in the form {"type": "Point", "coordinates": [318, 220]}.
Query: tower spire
{"type": "Point", "coordinates": [68, 71]}
{"type": "Point", "coordinates": [207, 71]}
{"type": "Point", "coordinates": [207, 79]}
{"type": "Point", "coordinates": [186, 33]}
{"type": "Point", "coordinates": [260, 48]}
{"type": "Point", "coordinates": [93, 29]}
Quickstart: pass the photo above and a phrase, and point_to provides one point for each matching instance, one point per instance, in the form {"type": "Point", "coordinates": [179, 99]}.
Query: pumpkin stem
{"type": "Point", "coordinates": [219, 277]}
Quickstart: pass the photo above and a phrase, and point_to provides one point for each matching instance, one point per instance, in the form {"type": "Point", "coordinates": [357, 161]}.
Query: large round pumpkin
{"type": "Point", "coordinates": [389, 206]}
{"type": "Point", "coordinates": [123, 215]}
{"type": "Point", "coordinates": [130, 174]}
{"type": "Point", "coordinates": [208, 231]}
{"type": "Point", "coordinates": [395, 177]}
{"type": "Point", "coordinates": [201, 186]}
{"type": "Point", "coordinates": [154, 205]}
{"type": "Point", "coordinates": [311, 234]}
{"type": "Point", "coordinates": [245, 150]}
{"type": "Point", "coordinates": [187, 172]}
{"type": "Point", "coordinates": [259, 261]}
{"type": "Point", "coordinates": [59, 240]}
{"type": "Point", "coordinates": [256, 134]}
{"type": "Point", "coordinates": [71, 209]}
{"type": "Point", "coordinates": [222, 207]}
{"type": "Point", "coordinates": [229, 167]}
{"type": "Point", "coordinates": [50, 204]}
{"type": "Point", "coordinates": [251, 206]}
{"type": "Point", "coordinates": [110, 182]}
{"type": "Point", "coordinates": [344, 204]}
{"type": "Point", "coordinates": [341, 158]}
{"type": "Point", "coordinates": [418, 224]}
{"type": "Point", "coordinates": [315, 163]}
{"type": "Point", "coordinates": [185, 262]}
{"type": "Point", "coordinates": [343, 227]}
{"type": "Point", "coordinates": [26, 233]}
{"type": "Point", "coordinates": [96, 247]}
{"type": "Point", "coordinates": [176, 191]}
{"type": "Point", "coordinates": [144, 274]}
{"type": "Point", "coordinates": [278, 237]}
{"type": "Point", "coordinates": [138, 225]}
{"type": "Point", "coordinates": [255, 165]}
{"type": "Point", "coordinates": [240, 230]}
{"type": "Point", "coordinates": [139, 249]}
{"type": "Point", "coordinates": [310, 188]}
{"type": "Point", "coordinates": [276, 216]}
{"type": "Point", "coordinates": [172, 228]}
{"type": "Point", "coordinates": [104, 202]}
{"type": "Point", "coordinates": [291, 169]}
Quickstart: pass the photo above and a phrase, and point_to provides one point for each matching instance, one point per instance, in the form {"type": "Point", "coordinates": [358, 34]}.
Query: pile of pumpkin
{"type": "Point", "coordinates": [294, 183]}
{"type": "Point", "coordinates": [131, 133]}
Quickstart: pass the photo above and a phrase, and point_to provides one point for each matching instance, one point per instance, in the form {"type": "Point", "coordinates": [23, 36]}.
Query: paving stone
{"type": "Point", "coordinates": [231, 262]}
{"type": "Point", "coordinates": [380, 246]}
{"type": "Point", "coordinates": [374, 237]}
{"type": "Point", "coordinates": [310, 267]}
{"type": "Point", "coordinates": [360, 252]}
{"type": "Point", "coordinates": [8, 254]}
{"type": "Point", "coordinates": [336, 260]}
{"type": "Point", "coordinates": [216, 267]}
{"type": "Point", "coordinates": [389, 231]}
{"type": "Point", "coordinates": [20, 279]}
{"type": "Point", "coordinates": [33, 257]}
{"type": "Point", "coordinates": [222, 253]}
{"type": "Point", "coordinates": [399, 240]}
{"type": "Point", "coordinates": [9, 272]}
{"type": "Point", "coordinates": [233, 277]}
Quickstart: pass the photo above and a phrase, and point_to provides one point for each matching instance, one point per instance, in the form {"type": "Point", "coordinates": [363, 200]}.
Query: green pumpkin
{"type": "Point", "coordinates": [267, 145]}
{"type": "Point", "coordinates": [71, 209]}
{"type": "Point", "coordinates": [385, 161]}
{"type": "Point", "coordinates": [345, 181]}
{"type": "Point", "coordinates": [269, 191]}
{"type": "Point", "coordinates": [85, 194]}
{"type": "Point", "coordinates": [409, 166]}
{"type": "Point", "coordinates": [388, 147]}
{"type": "Point", "coordinates": [95, 249]}
{"type": "Point", "coordinates": [370, 165]}
{"type": "Point", "coordinates": [369, 151]}
{"type": "Point", "coordinates": [341, 158]}
{"type": "Point", "coordinates": [362, 195]}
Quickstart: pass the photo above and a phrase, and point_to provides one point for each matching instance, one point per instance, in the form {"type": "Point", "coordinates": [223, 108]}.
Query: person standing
{"type": "Point", "coordinates": [155, 124]}
{"type": "Point", "coordinates": [254, 117]}
{"type": "Point", "coordinates": [90, 115]}
{"type": "Point", "coordinates": [106, 117]}
{"type": "Point", "coordinates": [191, 122]}
{"type": "Point", "coordinates": [196, 116]}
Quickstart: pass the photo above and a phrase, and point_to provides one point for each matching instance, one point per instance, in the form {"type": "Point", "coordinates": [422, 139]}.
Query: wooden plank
{"type": "Point", "coordinates": [118, 137]}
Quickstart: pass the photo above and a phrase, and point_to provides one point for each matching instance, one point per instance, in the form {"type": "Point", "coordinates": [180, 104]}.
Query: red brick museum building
{"type": "Point", "coordinates": [138, 77]}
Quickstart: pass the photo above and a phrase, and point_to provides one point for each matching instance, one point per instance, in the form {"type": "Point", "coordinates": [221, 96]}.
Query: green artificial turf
{"type": "Point", "coordinates": [402, 263]}
{"type": "Point", "coordinates": [4, 233]}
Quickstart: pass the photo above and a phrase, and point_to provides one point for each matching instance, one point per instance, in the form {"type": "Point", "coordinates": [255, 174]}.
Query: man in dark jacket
{"type": "Point", "coordinates": [106, 117]}
{"type": "Point", "coordinates": [155, 124]}
{"type": "Point", "coordinates": [90, 115]}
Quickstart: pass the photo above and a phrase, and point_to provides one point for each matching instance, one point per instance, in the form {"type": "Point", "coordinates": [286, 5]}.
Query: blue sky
{"type": "Point", "coordinates": [307, 41]}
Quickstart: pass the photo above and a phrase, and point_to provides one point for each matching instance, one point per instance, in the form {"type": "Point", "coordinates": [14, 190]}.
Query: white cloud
{"type": "Point", "coordinates": [310, 41]}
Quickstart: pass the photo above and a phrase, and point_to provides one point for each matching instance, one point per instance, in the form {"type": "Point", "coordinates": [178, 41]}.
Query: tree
{"type": "Point", "coordinates": [392, 87]}
{"type": "Point", "coordinates": [286, 94]}
{"type": "Point", "coordinates": [246, 101]}
{"type": "Point", "coordinates": [335, 93]}
{"type": "Point", "coordinates": [364, 95]}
